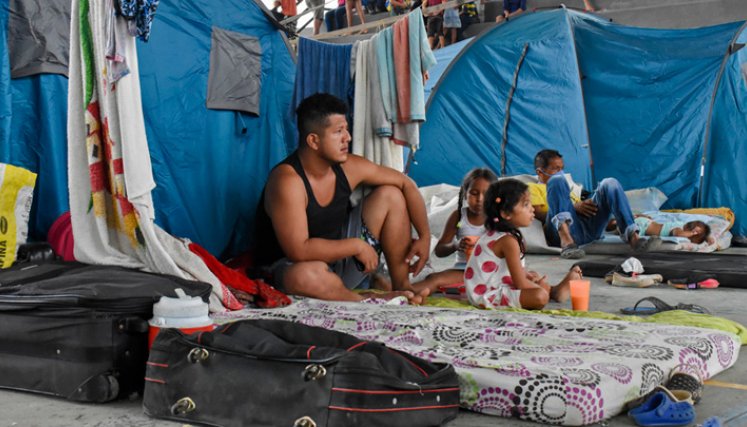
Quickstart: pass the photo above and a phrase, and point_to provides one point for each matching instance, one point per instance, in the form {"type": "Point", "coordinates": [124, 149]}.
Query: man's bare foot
{"type": "Point", "coordinates": [415, 298]}
{"type": "Point", "coordinates": [562, 291]}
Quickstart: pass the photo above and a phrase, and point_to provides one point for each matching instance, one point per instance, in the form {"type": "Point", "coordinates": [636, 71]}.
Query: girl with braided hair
{"type": "Point", "coordinates": [495, 275]}
{"type": "Point", "coordinates": [461, 230]}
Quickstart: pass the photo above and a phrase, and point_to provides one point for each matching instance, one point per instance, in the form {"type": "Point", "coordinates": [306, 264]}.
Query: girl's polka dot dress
{"type": "Point", "coordinates": [487, 279]}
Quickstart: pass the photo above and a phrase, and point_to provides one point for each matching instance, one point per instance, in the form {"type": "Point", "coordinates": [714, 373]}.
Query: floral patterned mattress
{"type": "Point", "coordinates": [537, 367]}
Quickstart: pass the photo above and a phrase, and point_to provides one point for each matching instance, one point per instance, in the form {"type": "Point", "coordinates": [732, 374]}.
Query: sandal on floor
{"type": "Point", "coordinates": [659, 306]}
{"type": "Point", "coordinates": [663, 409]}
{"type": "Point", "coordinates": [572, 251]}
{"type": "Point", "coordinates": [686, 379]}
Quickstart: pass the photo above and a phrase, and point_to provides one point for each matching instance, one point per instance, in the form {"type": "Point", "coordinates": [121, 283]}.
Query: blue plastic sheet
{"type": "Point", "coordinates": [210, 166]}
{"type": "Point", "coordinates": [33, 127]}
{"type": "Point", "coordinates": [466, 115]}
{"type": "Point", "coordinates": [623, 102]}
{"type": "Point", "coordinates": [725, 182]}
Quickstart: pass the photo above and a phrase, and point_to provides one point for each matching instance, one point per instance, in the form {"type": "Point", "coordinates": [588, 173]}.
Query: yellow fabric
{"type": "Point", "coordinates": [673, 317]}
{"type": "Point", "coordinates": [16, 192]}
{"type": "Point", "coordinates": [725, 213]}
{"type": "Point", "coordinates": [538, 197]}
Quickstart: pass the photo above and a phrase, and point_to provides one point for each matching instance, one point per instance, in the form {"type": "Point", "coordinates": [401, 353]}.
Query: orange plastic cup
{"type": "Point", "coordinates": [580, 294]}
{"type": "Point", "coordinates": [472, 240]}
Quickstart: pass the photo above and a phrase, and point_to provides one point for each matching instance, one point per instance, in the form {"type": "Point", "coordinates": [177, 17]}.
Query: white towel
{"type": "Point", "coordinates": [109, 170]}
{"type": "Point", "coordinates": [366, 142]}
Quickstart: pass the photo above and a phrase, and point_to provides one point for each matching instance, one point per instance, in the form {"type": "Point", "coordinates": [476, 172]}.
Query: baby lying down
{"type": "Point", "coordinates": [695, 231]}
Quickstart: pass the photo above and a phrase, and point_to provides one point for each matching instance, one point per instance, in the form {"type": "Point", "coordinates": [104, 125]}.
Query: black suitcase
{"type": "Point", "coordinates": [79, 331]}
{"type": "Point", "coordinates": [279, 373]}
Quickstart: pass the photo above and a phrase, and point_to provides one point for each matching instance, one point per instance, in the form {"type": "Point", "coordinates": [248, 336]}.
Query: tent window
{"type": "Point", "coordinates": [38, 37]}
{"type": "Point", "coordinates": [235, 72]}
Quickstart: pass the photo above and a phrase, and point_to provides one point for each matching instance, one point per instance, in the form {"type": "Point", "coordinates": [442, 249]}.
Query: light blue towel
{"type": "Point", "coordinates": [421, 60]}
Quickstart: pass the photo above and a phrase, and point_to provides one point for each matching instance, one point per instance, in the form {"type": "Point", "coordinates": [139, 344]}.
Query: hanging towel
{"type": "Point", "coordinates": [385, 58]}
{"type": "Point", "coordinates": [366, 143]}
{"type": "Point", "coordinates": [109, 170]}
{"type": "Point", "coordinates": [421, 60]}
{"type": "Point", "coordinates": [381, 124]}
{"type": "Point", "coordinates": [322, 67]}
{"type": "Point", "coordinates": [402, 66]}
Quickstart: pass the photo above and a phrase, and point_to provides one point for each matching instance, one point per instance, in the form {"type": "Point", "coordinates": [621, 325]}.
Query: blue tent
{"type": "Point", "coordinates": [663, 108]}
{"type": "Point", "coordinates": [209, 165]}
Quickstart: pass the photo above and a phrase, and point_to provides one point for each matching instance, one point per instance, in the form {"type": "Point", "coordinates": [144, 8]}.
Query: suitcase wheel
{"type": "Point", "coordinates": [314, 372]}
{"type": "Point", "coordinates": [197, 355]}
{"type": "Point", "coordinates": [304, 421]}
{"type": "Point", "coordinates": [183, 406]}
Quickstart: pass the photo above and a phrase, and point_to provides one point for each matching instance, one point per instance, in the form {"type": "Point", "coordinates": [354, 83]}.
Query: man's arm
{"type": "Point", "coordinates": [285, 203]}
{"type": "Point", "coordinates": [361, 171]}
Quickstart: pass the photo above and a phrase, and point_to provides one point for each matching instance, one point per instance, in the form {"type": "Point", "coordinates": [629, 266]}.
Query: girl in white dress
{"type": "Point", "coordinates": [462, 229]}
{"type": "Point", "coordinates": [495, 276]}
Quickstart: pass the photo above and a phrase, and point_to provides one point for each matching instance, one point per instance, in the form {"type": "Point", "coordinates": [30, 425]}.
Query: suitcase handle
{"type": "Point", "coordinates": [183, 406]}
{"type": "Point", "coordinates": [304, 421]}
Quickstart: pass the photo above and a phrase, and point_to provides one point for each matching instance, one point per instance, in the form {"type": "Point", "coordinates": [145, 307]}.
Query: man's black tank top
{"type": "Point", "coordinates": [326, 222]}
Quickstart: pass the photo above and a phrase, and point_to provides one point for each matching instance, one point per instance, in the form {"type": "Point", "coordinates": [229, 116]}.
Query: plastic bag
{"type": "Point", "coordinates": [16, 195]}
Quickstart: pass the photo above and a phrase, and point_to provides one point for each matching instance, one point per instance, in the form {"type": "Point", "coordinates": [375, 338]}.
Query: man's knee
{"type": "Point", "coordinates": [558, 183]}
{"type": "Point", "coordinates": [609, 184]}
{"type": "Point", "coordinates": [302, 278]}
{"type": "Point", "coordinates": [388, 196]}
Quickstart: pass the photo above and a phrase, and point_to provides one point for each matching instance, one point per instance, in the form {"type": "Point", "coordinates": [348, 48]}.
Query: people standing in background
{"type": "Point", "coordinates": [358, 6]}
{"type": "Point", "coordinates": [335, 18]}
{"type": "Point", "coordinates": [452, 23]}
{"type": "Point", "coordinates": [288, 7]}
{"type": "Point", "coordinates": [511, 8]}
{"type": "Point", "coordinates": [318, 13]}
{"type": "Point", "coordinates": [468, 15]}
{"type": "Point", "coordinates": [434, 22]}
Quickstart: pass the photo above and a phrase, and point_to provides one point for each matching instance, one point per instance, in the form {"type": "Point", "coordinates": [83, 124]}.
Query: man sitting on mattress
{"type": "Point", "coordinates": [570, 221]}
{"type": "Point", "coordinates": [311, 239]}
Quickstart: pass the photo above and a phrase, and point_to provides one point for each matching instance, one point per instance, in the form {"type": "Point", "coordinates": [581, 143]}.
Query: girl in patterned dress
{"type": "Point", "coordinates": [461, 230]}
{"type": "Point", "coordinates": [495, 275]}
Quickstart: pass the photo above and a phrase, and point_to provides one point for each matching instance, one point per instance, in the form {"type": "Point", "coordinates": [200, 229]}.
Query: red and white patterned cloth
{"type": "Point", "coordinates": [487, 279]}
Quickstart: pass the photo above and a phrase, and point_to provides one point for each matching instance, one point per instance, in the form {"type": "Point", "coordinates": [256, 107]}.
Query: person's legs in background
{"type": "Point", "coordinates": [563, 224]}
{"type": "Point", "coordinates": [611, 200]}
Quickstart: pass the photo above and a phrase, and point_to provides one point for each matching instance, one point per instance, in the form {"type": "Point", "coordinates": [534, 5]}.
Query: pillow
{"type": "Point", "coordinates": [645, 199]}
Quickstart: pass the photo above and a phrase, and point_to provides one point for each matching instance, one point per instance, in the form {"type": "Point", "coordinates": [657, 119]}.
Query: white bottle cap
{"type": "Point", "coordinates": [181, 312]}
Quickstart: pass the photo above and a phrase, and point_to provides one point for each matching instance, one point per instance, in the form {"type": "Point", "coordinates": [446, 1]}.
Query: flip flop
{"type": "Point", "coordinates": [659, 306]}
{"type": "Point", "coordinates": [662, 409]}
{"type": "Point", "coordinates": [572, 251]}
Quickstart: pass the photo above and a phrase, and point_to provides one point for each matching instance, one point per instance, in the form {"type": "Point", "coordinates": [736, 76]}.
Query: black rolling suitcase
{"type": "Point", "coordinates": [279, 373]}
{"type": "Point", "coordinates": [79, 331]}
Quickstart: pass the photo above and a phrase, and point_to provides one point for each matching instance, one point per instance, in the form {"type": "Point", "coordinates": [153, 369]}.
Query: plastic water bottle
{"type": "Point", "coordinates": [189, 314]}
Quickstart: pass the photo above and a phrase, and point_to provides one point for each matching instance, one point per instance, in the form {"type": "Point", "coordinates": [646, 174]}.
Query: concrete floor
{"type": "Point", "coordinates": [730, 404]}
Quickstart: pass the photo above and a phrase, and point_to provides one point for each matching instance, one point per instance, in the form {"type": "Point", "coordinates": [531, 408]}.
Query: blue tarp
{"type": "Point", "coordinates": [210, 166]}
{"type": "Point", "coordinates": [623, 102]}
{"type": "Point", "coordinates": [725, 176]}
{"type": "Point", "coordinates": [33, 123]}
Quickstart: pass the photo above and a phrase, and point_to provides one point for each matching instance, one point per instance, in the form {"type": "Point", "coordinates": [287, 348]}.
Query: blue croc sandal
{"type": "Point", "coordinates": [661, 410]}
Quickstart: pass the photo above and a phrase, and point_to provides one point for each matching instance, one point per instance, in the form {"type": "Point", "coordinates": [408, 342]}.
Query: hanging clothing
{"type": "Point", "coordinates": [323, 67]}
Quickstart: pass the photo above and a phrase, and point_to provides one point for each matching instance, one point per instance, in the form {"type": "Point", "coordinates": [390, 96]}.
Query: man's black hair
{"type": "Point", "coordinates": [313, 113]}
{"type": "Point", "coordinates": [543, 158]}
